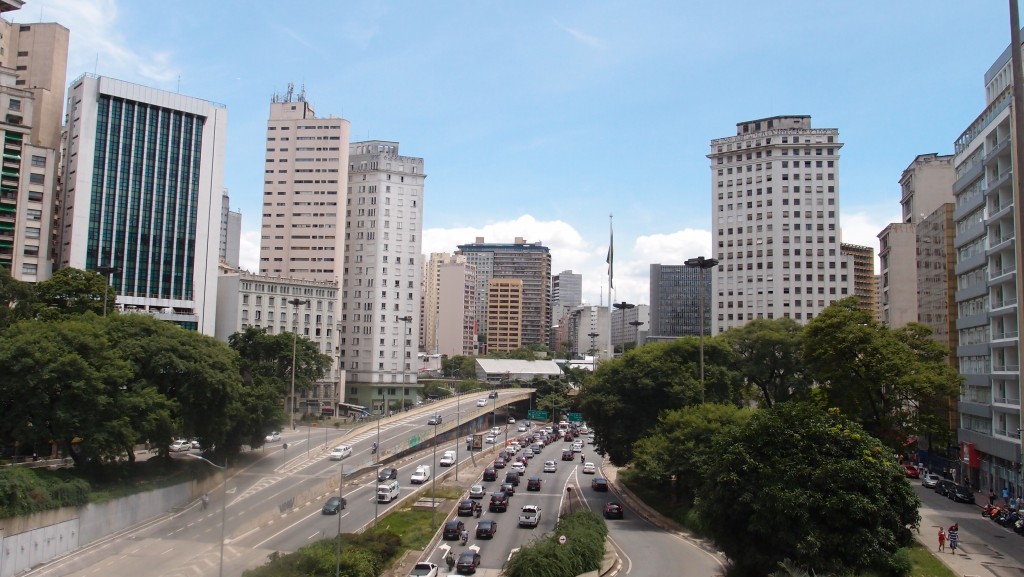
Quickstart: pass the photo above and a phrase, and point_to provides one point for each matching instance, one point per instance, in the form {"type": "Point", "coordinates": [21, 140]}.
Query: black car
{"type": "Point", "coordinates": [333, 506]}
{"type": "Point", "coordinates": [387, 473]}
{"type": "Point", "coordinates": [533, 484]}
{"type": "Point", "coordinates": [512, 477]}
{"type": "Point", "coordinates": [453, 530]}
{"type": "Point", "coordinates": [490, 474]}
{"type": "Point", "coordinates": [434, 420]}
{"type": "Point", "coordinates": [466, 508]}
{"type": "Point", "coordinates": [468, 562]}
{"type": "Point", "coordinates": [945, 487]}
{"type": "Point", "coordinates": [508, 488]}
{"type": "Point", "coordinates": [568, 455]}
{"type": "Point", "coordinates": [599, 484]}
{"type": "Point", "coordinates": [486, 529]}
{"type": "Point", "coordinates": [962, 494]}
{"type": "Point", "coordinates": [613, 510]}
{"type": "Point", "coordinates": [499, 463]}
{"type": "Point", "coordinates": [499, 502]}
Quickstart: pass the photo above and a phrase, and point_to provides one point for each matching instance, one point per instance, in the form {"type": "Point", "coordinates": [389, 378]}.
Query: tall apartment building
{"type": "Point", "coordinates": [143, 181]}
{"type": "Point", "coordinates": [627, 325]}
{"type": "Point", "coordinates": [775, 193]}
{"type": "Point", "coordinates": [430, 298]}
{"type": "Point", "coordinates": [986, 292]}
{"type": "Point", "coordinates": [936, 281]}
{"type": "Point", "coordinates": [566, 292]}
{"type": "Point", "coordinates": [675, 308]}
{"type": "Point", "coordinates": [897, 252]}
{"type": "Point", "coordinates": [381, 282]}
{"type": "Point", "coordinates": [528, 262]}
{"type": "Point", "coordinates": [588, 332]}
{"type": "Point", "coordinates": [926, 185]}
{"type": "Point", "coordinates": [230, 231]}
{"type": "Point", "coordinates": [304, 182]}
{"type": "Point", "coordinates": [33, 68]}
{"type": "Point", "coordinates": [504, 314]}
{"type": "Point", "coordinates": [456, 310]}
{"type": "Point", "coordinates": [863, 261]}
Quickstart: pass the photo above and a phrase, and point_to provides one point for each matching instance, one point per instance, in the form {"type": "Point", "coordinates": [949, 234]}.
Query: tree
{"type": "Point", "coordinates": [768, 354]}
{"type": "Point", "coordinates": [459, 366]}
{"type": "Point", "coordinates": [72, 292]}
{"type": "Point", "coordinates": [625, 396]}
{"type": "Point", "coordinates": [16, 299]}
{"type": "Point", "coordinates": [877, 376]}
{"type": "Point", "coordinates": [680, 445]}
{"type": "Point", "coordinates": [808, 485]}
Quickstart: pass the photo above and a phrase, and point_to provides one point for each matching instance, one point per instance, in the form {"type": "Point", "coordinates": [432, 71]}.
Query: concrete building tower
{"type": "Point", "coordinates": [230, 232]}
{"type": "Point", "coordinates": [988, 353]}
{"type": "Point", "coordinates": [863, 274]}
{"type": "Point", "coordinates": [304, 182]}
{"type": "Point", "coordinates": [898, 256]}
{"type": "Point", "coordinates": [566, 292]}
{"type": "Point", "coordinates": [504, 314]}
{"type": "Point", "coordinates": [529, 262]}
{"type": "Point", "coordinates": [775, 193]}
{"type": "Point", "coordinates": [156, 217]}
{"type": "Point", "coordinates": [456, 311]}
{"type": "Point", "coordinates": [675, 301]}
{"type": "Point", "coordinates": [381, 283]}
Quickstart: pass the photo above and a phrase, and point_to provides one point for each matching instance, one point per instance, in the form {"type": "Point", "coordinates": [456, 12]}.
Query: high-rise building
{"type": "Point", "coordinates": [456, 311]}
{"type": "Point", "coordinates": [986, 291]}
{"type": "Point", "coordinates": [898, 255]}
{"type": "Point", "coordinates": [38, 53]}
{"type": "Point", "coordinates": [629, 324]}
{"type": "Point", "coordinates": [528, 262]}
{"type": "Point", "coordinates": [588, 332]}
{"type": "Point", "coordinates": [675, 292]}
{"type": "Point", "coordinates": [504, 314]}
{"type": "Point", "coordinates": [775, 193]}
{"type": "Point", "coordinates": [430, 299]}
{"type": "Point", "coordinates": [926, 185]}
{"type": "Point", "coordinates": [863, 261]}
{"type": "Point", "coordinates": [304, 182]}
{"type": "Point", "coordinates": [230, 231]}
{"type": "Point", "coordinates": [936, 279]}
{"type": "Point", "coordinates": [143, 181]}
{"type": "Point", "coordinates": [381, 282]}
{"type": "Point", "coordinates": [566, 292]}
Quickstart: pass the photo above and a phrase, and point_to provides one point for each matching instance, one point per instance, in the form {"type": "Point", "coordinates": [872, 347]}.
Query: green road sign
{"type": "Point", "coordinates": [575, 417]}
{"type": "Point", "coordinates": [537, 415]}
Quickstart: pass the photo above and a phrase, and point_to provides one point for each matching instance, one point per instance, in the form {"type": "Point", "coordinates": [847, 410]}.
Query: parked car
{"type": "Point", "coordinates": [453, 530]}
{"type": "Point", "coordinates": [490, 474]}
{"type": "Point", "coordinates": [498, 503]}
{"type": "Point", "coordinates": [962, 494]}
{"type": "Point", "coordinates": [387, 474]}
{"type": "Point", "coordinates": [589, 468]}
{"type": "Point", "coordinates": [930, 480]}
{"type": "Point", "coordinates": [533, 484]}
{"type": "Point", "coordinates": [486, 529]}
{"type": "Point", "coordinates": [945, 487]}
{"type": "Point", "coordinates": [911, 471]}
{"type": "Point", "coordinates": [550, 466]}
{"type": "Point", "coordinates": [477, 492]}
{"type": "Point", "coordinates": [599, 484]}
{"type": "Point", "coordinates": [466, 508]}
{"type": "Point", "coordinates": [180, 445]}
{"type": "Point", "coordinates": [333, 506]}
{"type": "Point", "coordinates": [340, 452]}
{"type": "Point", "coordinates": [468, 561]}
{"type": "Point", "coordinates": [424, 569]}
{"type": "Point", "coordinates": [273, 437]}
{"type": "Point", "coordinates": [612, 510]}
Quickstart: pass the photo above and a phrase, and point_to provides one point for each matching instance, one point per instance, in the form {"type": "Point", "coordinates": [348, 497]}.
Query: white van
{"type": "Point", "coordinates": [448, 459]}
{"type": "Point", "coordinates": [388, 492]}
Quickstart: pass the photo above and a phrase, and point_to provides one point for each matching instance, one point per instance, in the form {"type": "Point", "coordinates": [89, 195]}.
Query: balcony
{"type": "Point", "coordinates": [995, 273]}
{"type": "Point", "coordinates": [1006, 401]}
{"type": "Point", "coordinates": [1003, 368]}
{"type": "Point", "coordinates": [1009, 302]}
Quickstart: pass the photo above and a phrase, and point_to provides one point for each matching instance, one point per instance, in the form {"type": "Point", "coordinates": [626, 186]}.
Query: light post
{"type": "Point", "coordinates": [433, 484]}
{"type": "Point", "coordinates": [636, 333]}
{"type": "Point", "coordinates": [702, 264]}
{"type": "Point", "coordinates": [458, 418]}
{"type": "Point", "coordinates": [622, 308]}
{"type": "Point", "coordinates": [295, 337]}
{"type": "Point", "coordinates": [106, 271]}
{"type": "Point", "coordinates": [593, 350]}
{"type": "Point", "coordinates": [223, 504]}
{"type": "Point", "coordinates": [341, 495]}
{"type": "Point", "coordinates": [405, 331]}
{"type": "Point", "coordinates": [376, 456]}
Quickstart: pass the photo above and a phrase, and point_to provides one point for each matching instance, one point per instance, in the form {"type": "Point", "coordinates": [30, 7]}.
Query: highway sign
{"type": "Point", "coordinates": [575, 417]}
{"type": "Point", "coordinates": [537, 415]}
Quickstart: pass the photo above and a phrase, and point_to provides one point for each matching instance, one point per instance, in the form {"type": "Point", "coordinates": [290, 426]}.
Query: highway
{"type": "Point", "coordinates": [275, 495]}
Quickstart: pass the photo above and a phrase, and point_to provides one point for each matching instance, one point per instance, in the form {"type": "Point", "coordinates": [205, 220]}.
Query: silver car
{"type": "Point", "coordinates": [930, 480]}
{"type": "Point", "coordinates": [550, 466]}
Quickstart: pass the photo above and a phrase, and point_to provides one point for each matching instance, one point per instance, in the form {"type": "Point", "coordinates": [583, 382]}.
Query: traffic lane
{"type": "Point", "coordinates": [977, 534]}
{"type": "Point", "coordinates": [645, 549]}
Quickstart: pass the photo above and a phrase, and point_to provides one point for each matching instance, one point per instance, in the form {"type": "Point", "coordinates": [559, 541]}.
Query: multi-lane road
{"type": "Point", "coordinates": [272, 502]}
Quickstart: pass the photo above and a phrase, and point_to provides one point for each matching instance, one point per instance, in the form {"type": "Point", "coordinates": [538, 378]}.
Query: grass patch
{"type": "Point", "coordinates": [413, 527]}
{"type": "Point", "coordinates": [654, 497]}
{"type": "Point", "coordinates": [926, 564]}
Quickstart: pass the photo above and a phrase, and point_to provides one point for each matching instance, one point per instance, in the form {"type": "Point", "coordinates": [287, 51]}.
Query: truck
{"type": "Point", "coordinates": [421, 475]}
{"type": "Point", "coordinates": [448, 459]}
{"type": "Point", "coordinates": [388, 491]}
{"type": "Point", "coordinates": [529, 516]}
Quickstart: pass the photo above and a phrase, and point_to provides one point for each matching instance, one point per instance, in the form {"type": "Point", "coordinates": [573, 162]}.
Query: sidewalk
{"type": "Point", "coordinates": [974, 557]}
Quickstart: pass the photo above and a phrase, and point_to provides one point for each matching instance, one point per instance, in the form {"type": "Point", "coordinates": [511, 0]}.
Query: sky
{"type": "Point", "coordinates": [559, 121]}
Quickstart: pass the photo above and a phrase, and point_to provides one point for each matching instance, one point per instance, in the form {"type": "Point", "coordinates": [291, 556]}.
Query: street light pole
{"type": "Point", "coordinates": [593, 350]}
{"type": "Point", "coordinates": [376, 502]}
{"type": "Point", "coordinates": [341, 495]}
{"type": "Point", "coordinates": [223, 504]}
{"type": "Point", "coordinates": [636, 333]}
{"type": "Point", "coordinates": [405, 331]}
{"type": "Point", "coordinates": [433, 484]}
{"type": "Point", "coordinates": [458, 418]}
{"type": "Point", "coordinates": [703, 264]}
{"type": "Point", "coordinates": [106, 271]}
{"type": "Point", "coordinates": [622, 308]}
{"type": "Point", "coordinates": [295, 337]}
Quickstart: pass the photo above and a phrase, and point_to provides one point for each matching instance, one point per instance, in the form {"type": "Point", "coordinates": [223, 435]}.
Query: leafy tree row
{"type": "Point", "coordinates": [582, 552]}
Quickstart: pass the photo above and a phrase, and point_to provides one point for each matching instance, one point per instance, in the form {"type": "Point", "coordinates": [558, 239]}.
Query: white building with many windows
{"type": "Point", "coordinates": [775, 198]}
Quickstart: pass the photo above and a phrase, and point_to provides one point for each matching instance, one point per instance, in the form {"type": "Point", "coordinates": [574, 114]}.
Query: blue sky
{"type": "Point", "coordinates": [539, 119]}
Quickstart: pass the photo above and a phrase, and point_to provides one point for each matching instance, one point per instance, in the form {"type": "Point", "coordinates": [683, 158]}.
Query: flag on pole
{"type": "Point", "coordinates": [611, 246]}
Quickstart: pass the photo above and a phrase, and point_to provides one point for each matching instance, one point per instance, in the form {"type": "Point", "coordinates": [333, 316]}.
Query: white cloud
{"type": "Point", "coordinates": [97, 43]}
{"type": "Point", "coordinates": [582, 37]}
{"type": "Point", "coordinates": [249, 250]}
{"type": "Point", "coordinates": [862, 228]}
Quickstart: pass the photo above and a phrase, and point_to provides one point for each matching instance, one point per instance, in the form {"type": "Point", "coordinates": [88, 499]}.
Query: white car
{"type": "Point", "coordinates": [495, 430]}
{"type": "Point", "coordinates": [577, 446]}
{"type": "Point", "coordinates": [589, 468]}
{"type": "Point", "coordinates": [489, 439]}
{"type": "Point", "coordinates": [511, 421]}
{"type": "Point", "coordinates": [522, 428]}
{"type": "Point", "coordinates": [424, 569]}
{"type": "Point", "coordinates": [550, 466]}
{"type": "Point", "coordinates": [481, 402]}
{"type": "Point", "coordinates": [180, 445]}
{"type": "Point", "coordinates": [273, 437]}
{"type": "Point", "coordinates": [340, 452]}
{"type": "Point", "coordinates": [518, 467]}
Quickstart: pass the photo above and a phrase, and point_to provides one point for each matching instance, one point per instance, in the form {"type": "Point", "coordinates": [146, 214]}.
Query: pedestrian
{"type": "Point", "coordinates": [206, 501]}
{"type": "Point", "coordinates": [1013, 504]}
{"type": "Point", "coordinates": [1006, 495]}
{"type": "Point", "coordinates": [991, 497]}
{"type": "Point", "coordinates": [450, 560]}
{"type": "Point", "coordinates": [942, 539]}
{"type": "Point", "coordinates": [954, 537]}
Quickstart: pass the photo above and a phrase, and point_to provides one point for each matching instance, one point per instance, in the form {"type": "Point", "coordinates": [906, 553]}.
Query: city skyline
{"type": "Point", "coordinates": [560, 116]}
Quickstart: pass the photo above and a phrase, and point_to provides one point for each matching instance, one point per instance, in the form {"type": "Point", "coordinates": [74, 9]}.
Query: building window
{"type": "Point", "coordinates": [15, 104]}
{"type": "Point", "coordinates": [32, 232]}
{"type": "Point", "coordinates": [23, 53]}
{"type": "Point", "coordinates": [37, 178]}
{"type": "Point", "coordinates": [29, 268]}
{"type": "Point", "coordinates": [38, 161]}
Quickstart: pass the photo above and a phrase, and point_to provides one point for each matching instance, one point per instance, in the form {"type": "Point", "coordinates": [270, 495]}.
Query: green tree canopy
{"type": "Point", "coordinates": [768, 353]}
{"type": "Point", "coordinates": [72, 292]}
{"type": "Point", "coordinates": [807, 485]}
{"type": "Point", "coordinates": [16, 299]}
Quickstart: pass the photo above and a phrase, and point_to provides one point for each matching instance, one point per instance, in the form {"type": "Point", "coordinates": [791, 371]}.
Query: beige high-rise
{"type": "Point", "coordinates": [304, 182]}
